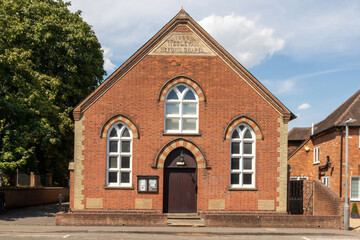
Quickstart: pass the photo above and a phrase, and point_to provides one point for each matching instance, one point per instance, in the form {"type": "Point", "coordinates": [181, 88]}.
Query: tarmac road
{"type": "Point", "coordinates": [39, 223]}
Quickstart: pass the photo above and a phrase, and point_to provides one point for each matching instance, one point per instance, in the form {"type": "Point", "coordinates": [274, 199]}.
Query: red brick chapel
{"type": "Point", "coordinates": [180, 127]}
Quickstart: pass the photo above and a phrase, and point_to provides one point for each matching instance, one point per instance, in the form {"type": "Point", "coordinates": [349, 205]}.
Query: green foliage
{"type": "Point", "coordinates": [50, 59]}
{"type": "Point", "coordinates": [354, 208]}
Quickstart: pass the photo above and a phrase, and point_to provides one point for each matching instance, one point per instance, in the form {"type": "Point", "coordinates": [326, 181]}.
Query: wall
{"type": "Point", "coordinates": [21, 197]}
{"type": "Point", "coordinates": [330, 145]}
{"type": "Point", "coordinates": [326, 202]}
{"type": "Point", "coordinates": [273, 221]}
{"type": "Point", "coordinates": [227, 96]}
{"type": "Point", "coordinates": [87, 218]}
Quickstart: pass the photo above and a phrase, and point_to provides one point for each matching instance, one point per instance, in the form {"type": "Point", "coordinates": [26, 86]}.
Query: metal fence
{"type": "Point", "coordinates": [32, 180]}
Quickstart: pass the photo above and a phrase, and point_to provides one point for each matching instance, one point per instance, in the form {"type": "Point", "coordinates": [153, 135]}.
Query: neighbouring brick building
{"type": "Point", "coordinates": [181, 126]}
{"type": "Point", "coordinates": [322, 155]}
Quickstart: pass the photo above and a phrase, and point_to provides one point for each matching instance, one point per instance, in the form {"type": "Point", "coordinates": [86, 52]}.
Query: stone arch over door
{"type": "Point", "coordinates": [180, 142]}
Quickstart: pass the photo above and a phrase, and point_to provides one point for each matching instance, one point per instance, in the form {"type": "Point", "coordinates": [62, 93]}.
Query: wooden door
{"type": "Point", "coordinates": [180, 182]}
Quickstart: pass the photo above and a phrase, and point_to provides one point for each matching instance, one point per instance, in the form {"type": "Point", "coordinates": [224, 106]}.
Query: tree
{"type": "Point", "coordinates": [50, 59]}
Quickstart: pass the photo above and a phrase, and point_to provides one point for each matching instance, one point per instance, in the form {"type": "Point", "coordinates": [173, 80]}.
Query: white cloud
{"type": "Point", "coordinates": [280, 87]}
{"type": "Point", "coordinates": [108, 65]}
{"type": "Point", "coordinates": [327, 30]}
{"type": "Point", "coordinates": [304, 106]}
{"type": "Point", "coordinates": [247, 40]}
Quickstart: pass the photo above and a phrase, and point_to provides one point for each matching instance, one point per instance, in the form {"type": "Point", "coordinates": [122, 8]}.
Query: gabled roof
{"type": "Point", "coordinates": [349, 109]}
{"type": "Point", "coordinates": [299, 134]}
{"type": "Point", "coordinates": [183, 19]}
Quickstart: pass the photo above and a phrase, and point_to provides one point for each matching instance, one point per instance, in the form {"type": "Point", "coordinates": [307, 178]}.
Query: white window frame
{"type": "Point", "coordinates": [316, 155]}
{"type": "Point", "coordinates": [351, 186]}
{"type": "Point", "coordinates": [241, 155]}
{"type": "Point", "coordinates": [359, 137]}
{"type": "Point", "coordinates": [118, 154]}
{"type": "Point", "coordinates": [326, 180]}
{"type": "Point", "coordinates": [180, 116]}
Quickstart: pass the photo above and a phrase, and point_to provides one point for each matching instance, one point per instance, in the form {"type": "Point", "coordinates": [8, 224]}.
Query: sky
{"type": "Point", "coordinates": [306, 52]}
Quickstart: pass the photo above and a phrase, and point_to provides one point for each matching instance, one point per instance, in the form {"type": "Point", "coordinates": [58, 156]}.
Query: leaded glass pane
{"type": "Point", "coordinates": [235, 148]}
{"type": "Point", "coordinates": [125, 177]}
{"type": "Point", "coordinates": [247, 148]}
{"type": "Point", "coordinates": [235, 134]}
{"type": "Point", "coordinates": [125, 162]}
{"type": "Point", "coordinates": [234, 179]}
{"type": "Point", "coordinates": [247, 179]}
{"type": "Point", "coordinates": [181, 88]}
{"type": "Point", "coordinates": [119, 125]}
{"type": "Point", "coordinates": [172, 108]}
{"type": "Point", "coordinates": [241, 127]}
{"type": "Point", "coordinates": [113, 146]}
{"type": "Point", "coordinates": [172, 95]}
{"type": "Point", "coordinates": [189, 124]}
{"type": "Point", "coordinates": [112, 162]}
{"type": "Point", "coordinates": [235, 163]}
{"type": "Point", "coordinates": [126, 133]}
{"type": "Point", "coordinates": [190, 96]}
{"type": "Point", "coordinates": [112, 177]}
{"type": "Point", "coordinates": [189, 108]}
{"type": "Point", "coordinates": [172, 124]}
{"type": "Point", "coordinates": [113, 133]}
{"type": "Point", "coordinates": [247, 163]}
{"type": "Point", "coordinates": [125, 146]}
{"type": "Point", "coordinates": [355, 185]}
{"type": "Point", "coordinates": [247, 134]}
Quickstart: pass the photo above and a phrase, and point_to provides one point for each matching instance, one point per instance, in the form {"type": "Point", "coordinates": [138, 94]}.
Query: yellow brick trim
{"type": "Point", "coordinates": [161, 157]}
{"type": "Point", "coordinates": [172, 82]}
{"type": "Point", "coordinates": [114, 119]}
{"type": "Point", "coordinates": [78, 164]}
{"type": "Point", "coordinates": [282, 168]}
{"type": "Point", "coordinates": [238, 120]}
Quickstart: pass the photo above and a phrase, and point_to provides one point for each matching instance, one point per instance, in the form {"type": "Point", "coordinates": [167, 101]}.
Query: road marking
{"type": "Point", "coordinates": [66, 236]}
{"type": "Point", "coordinates": [305, 238]}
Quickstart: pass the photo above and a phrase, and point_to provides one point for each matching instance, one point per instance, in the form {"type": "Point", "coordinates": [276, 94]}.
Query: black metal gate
{"type": "Point", "coordinates": [296, 196]}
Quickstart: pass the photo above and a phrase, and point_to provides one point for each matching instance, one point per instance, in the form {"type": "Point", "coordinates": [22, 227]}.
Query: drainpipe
{"type": "Point", "coordinates": [341, 157]}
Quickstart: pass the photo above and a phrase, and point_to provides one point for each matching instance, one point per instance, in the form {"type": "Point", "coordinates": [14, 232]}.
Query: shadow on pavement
{"type": "Point", "coordinates": [39, 211]}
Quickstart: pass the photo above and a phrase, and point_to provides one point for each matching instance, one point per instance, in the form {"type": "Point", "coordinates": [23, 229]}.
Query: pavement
{"type": "Point", "coordinates": [41, 219]}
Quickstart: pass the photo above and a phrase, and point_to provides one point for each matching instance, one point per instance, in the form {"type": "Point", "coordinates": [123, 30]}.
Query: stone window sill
{"type": "Point", "coordinates": [119, 188]}
{"type": "Point", "coordinates": [242, 189]}
{"type": "Point", "coordinates": [182, 134]}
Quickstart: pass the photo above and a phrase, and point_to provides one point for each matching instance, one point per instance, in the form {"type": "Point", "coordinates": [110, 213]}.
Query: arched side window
{"type": "Point", "coordinates": [119, 155]}
{"type": "Point", "coordinates": [181, 110]}
{"type": "Point", "coordinates": [242, 160]}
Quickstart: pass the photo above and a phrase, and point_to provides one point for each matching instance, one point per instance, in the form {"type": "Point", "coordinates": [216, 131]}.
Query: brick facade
{"type": "Point", "coordinates": [330, 143]}
{"type": "Point", "coordinates": [228, 94]}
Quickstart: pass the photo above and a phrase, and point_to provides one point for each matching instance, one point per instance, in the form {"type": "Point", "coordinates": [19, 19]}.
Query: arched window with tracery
{"type": "Point", "coordinates": [181, 110]}
{"type": "Point", "coordinates": [119, 155]}
{"type": "Point", "coordinates": [242, 160]}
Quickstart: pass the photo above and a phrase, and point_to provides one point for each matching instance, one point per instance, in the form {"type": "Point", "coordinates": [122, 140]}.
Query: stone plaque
{"type": "Point", "coordinates": [266, 205]}
{"type": "Point", "coordinates": [94, 203]}
{"type": "Point", "coordinates": [182, 43]}
{"type": "Point", "coordinates": [216, 204]}
{"type": "Point", "coordinates": [141, 203]}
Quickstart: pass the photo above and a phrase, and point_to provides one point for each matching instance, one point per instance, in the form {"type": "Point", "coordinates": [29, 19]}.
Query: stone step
{"type": "Point", "coordinates": [186, 223]}
{"type": "Point", "coordinates": [183, 216]}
